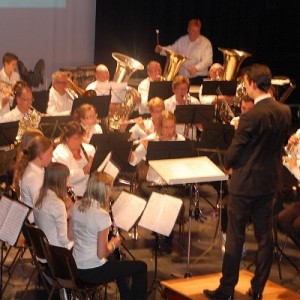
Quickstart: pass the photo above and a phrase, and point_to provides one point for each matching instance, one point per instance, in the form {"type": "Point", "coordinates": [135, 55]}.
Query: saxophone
{"type": "Point", "coordinates": [31, 119]}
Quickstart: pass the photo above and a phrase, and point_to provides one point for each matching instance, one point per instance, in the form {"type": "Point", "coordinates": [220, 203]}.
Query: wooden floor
{"type": "Point", "coordinates": [192, 288]}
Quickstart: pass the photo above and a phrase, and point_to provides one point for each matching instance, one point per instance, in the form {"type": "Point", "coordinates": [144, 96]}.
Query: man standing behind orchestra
{"type": "Point", "coordinates": [255, 157]}
{"type": "Point", "coordinates": [8, 75]}
{"type": "Point", "coordinates": [196, 48]}
{"type": "Point", "coordinates": [60, 102]}
{"type": "Point", "coordinates": [154, 74]}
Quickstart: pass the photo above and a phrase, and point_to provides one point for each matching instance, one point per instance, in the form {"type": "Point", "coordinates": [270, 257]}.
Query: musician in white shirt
{"type": "Point", "coordinates": [154, 73]}
{"type": "Point", "coordinates": [8, 77]}
{"type": "Point", "coordinates": [24, 99]}
{"type": "Point", "coordinates": [60, 102]}
{"type": "Point", "coordinates": [101, 86]}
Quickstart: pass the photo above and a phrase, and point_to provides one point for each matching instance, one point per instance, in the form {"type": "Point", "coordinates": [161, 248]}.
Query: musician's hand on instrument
{"type": "Point", "coordinates": [4, 101]}
{"type": "Point", "coordinates": [69, 204]}
{"type": "Point", "coordinates": [158, 48]}
{"type": "Point", "coordinates": [137, 98]}
{"type": "Point", "coordinates": [193, 71]}
{"type": "Point", "coordinates": [116, 240]}
{"type": "Point", "coordinates": [144, 142]}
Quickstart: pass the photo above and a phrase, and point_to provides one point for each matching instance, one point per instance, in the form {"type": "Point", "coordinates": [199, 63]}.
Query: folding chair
{"type": "Point", "coordinates": [65, 272]}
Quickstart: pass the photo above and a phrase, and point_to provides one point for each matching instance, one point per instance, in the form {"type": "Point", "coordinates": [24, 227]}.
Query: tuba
{"type": "Point", "coordinates": [126, 66]}
{"type": "Point", "coordinates": [232, 60]}
{"type": "Point", "coordinates": [174, 62]}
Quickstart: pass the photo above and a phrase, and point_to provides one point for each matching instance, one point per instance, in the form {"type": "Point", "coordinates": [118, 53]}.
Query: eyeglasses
{"type": "Point", "coordinates": [27, 99]}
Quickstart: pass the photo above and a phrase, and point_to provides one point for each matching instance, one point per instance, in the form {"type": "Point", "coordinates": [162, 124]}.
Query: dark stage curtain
{"type": "Point", "coordinates": [268, 29]}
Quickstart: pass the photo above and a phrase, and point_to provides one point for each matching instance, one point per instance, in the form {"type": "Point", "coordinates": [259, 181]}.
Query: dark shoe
{"type": "Point", "coordinates": [216, 295]}
{"type": "Point", "coordinates": [253, 295]}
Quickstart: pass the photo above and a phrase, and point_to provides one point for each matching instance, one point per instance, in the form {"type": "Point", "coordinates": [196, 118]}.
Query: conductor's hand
{"type": "Point", "coordinates": [87, 167]}
{"type": "Point", "coordinates": [158, 48]}
{"type": "Point", "coordinates": [192, 71]}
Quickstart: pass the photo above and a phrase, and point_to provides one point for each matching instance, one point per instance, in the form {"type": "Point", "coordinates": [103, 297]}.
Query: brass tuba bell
{"type": "Point", "coordinates": [232, 60]}
{"type": "Point", "coordinates": [174, 62]}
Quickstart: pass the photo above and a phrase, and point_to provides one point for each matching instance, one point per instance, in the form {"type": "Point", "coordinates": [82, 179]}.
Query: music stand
{"type": "Point", "coordinates": [101, 104]}
{"type": "Point", "coordinates": [115, 142]}
{"type": "Point", "coordinates": [159, 217]}
{"type": "Point", "coordinates": [8, 133]}
{"type": "Point", "coordinates": [188, 171]}
{"type": "Point", "coordinates": [52, 126]}
{"type": "Point", "coordinates": [161, 89]}
{"type": "Point", "coordinates": [194, 113]}
{"type": "Point", "coordinates": [219, 87]}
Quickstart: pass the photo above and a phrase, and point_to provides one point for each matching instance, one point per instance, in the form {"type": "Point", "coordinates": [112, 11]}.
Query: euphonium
{"type": "Point", "coordinates": [30, 120]}
{"type": "Point", "coordinates": [232, 60]}
{"type": "Point", "coordinates": [126, 66]}
{"type": "Point", "coordinates": [174, 62]}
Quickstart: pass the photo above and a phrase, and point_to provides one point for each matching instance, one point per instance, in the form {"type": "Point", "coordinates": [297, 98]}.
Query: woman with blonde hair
{"type": "Point", "coordinates": [91, 223]}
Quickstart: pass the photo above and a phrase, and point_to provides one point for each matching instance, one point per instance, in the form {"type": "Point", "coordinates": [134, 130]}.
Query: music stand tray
{"type": "Point", "coordinates": [101, 104]}
{"type": "Point", "coordinates": [115, 142]}
{"type": "Point", "coordinates": [194, 113]}
{"type": "Point", "coordinates": [161, 89]}
{"type": "Point", "coordinates": [219, 87]}
{"type": "Point", "coordinates": [8, 132]}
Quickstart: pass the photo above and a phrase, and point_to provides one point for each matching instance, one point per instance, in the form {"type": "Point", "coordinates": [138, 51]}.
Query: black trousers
{"type": "Point", "coordinates": [121, 271]}
{"type": "Point", "coordinates": [239, 210]}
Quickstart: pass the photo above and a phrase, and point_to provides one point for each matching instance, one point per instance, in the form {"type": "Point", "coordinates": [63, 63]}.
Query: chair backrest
{"type": "Point", "coordinates": [62, 265]}
{"type": "Point", "coordinates": [36, 236]}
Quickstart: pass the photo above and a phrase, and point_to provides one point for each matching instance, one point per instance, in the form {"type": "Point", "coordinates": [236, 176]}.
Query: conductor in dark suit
{"type": "Point", "coordinates": [255, 157]}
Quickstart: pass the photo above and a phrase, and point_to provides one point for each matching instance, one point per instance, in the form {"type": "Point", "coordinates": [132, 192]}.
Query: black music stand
{"type": "Point", "coordinates": [161, 89]}
{"type": "Point", "coordinates": [170, 149]}
{"type": "Point", "coordinates": [219, 87]}
{"type": "Point", "coordinates": [118, 143]}
{"type": "Point", "coordinates": [52, 126]}
{"type": "Point", "coordinates": [101, 104]}
{"type": "Point", "coordinates": [8, 133]}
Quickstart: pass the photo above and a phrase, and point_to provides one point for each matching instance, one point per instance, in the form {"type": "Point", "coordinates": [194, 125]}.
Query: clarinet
{"type": "Point", "coordinates": [71, 194]}
{"type": "Point", "coordinates": [114, 232]}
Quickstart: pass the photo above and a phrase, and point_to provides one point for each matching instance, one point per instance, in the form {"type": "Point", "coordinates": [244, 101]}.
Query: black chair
{"type": "Point", "coordinates": [36, 235]}
{"type": "Point", "coordinates": [65, 273]}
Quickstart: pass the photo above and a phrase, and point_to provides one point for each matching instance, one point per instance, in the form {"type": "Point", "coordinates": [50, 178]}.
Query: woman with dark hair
{"type": "Point", "coordinates": [29, 172]}
{"type": "Point", "coordinates": [91, 223]}
{"type": "Point", "coordinates": [76, 155]}
{"type": "Point", "coordinates": [50, 213]}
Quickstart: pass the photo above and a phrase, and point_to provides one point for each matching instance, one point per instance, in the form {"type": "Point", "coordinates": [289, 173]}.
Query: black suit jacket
{"type": "Point", "coordinates": [255, 153]}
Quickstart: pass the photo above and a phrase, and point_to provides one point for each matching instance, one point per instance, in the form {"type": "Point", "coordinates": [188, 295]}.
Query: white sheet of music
{"type": "Point", "coordinates": [161, 213]}
{"type": "Point", "coordinates": [127, 209]}
{"type": "Point", "coordinates": [187, 170]}
{"type": "Point", "coordinates": [104, 163]}
{"type": "Point", "coordinates": [12, 216]}
{"type": "Point", "coordinates": [111, 169]}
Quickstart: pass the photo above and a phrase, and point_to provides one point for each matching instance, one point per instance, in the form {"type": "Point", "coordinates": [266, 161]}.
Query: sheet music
{"type": "Point", "coordinates": [5, 205]}
{"type": "Point", "coordinates": [104, 163]}
{"type": "Point", "coordinates": [127, 209]}
{"type": "Point", "coordinates": [161, 213]}
{"type": "Point", "coordinates": [111, 169]}
{"type": "Point", "coordinates": [187, 170]}
{"type": "Point", "coordinates": [12, 224]}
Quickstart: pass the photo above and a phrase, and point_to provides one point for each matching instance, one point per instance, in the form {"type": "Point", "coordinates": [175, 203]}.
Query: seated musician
{"type": "Point", "coordinates": [154, 73]}
{"type": "Point", "coordinates": [91, 224]}
{"type": "Point", "coordinates": [23, 100]}
{"type": "Point", "coordinates": [60, 102]}
{"type": "Point", "coordinates": [246, 104]}
{"type": "Point", "coordinates": [100, 85]}
{"type": "Point", "coordinates": [166, 132]}
{"type": "Point", "coordinates": [30, 168]}
{"type": "Point", "coordinates": [8, 77]}
{"type": "Point", "coordinates": [216, 72]}
{"type": "Point", "coordinates": [144, 127]}
{"type": "Point", "coordinates": [180, 87]}
{"type": "Point", "coordinates": [87, 116]}
{"type": "Point", "coordinates": [50, 209]}
{"type": "Point", "coordinates": [76, 155]}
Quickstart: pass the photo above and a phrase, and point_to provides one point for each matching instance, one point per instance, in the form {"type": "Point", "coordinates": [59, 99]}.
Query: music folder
{"type": "Point", "coordinates": [101, 104]}
{"type": "Point", "coordinates": [219, 87]}
{"type": "Point", "coordinates": [161, 89]}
